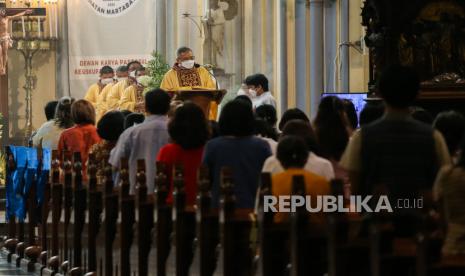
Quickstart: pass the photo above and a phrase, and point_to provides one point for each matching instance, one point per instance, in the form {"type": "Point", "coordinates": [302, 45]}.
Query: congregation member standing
{"type": "Point", "coordinates": [145, 140]}
{"type": "Point", "coordinates": [238, 149]}
{"type": "Point", "coordinates": [189, 132]}
{"type": "Point", "coordinates": [81, 137]}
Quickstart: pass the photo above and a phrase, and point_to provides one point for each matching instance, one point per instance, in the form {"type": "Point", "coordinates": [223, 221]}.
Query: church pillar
{"type": "Point", "coordinates": [280, 55]}
{"type": "Point", "coordinates": [301, 54]}
{"type": "Point", "coordinates": [171, 31]}
{"type": "Point", "coordinates": [248, 44]}
{"type": "Point", "coordinates": [161, 27]}
{"type": "Point", "coordinates": [62, 54]}
{"type": "Point", "coordinates": [330, 46]}
{"type": "Point", "coordinates": [291, 54]}
{"type": "Point", "coordinates": [316, 54]}
{"type": "Point", "coordinates": [344, 50]}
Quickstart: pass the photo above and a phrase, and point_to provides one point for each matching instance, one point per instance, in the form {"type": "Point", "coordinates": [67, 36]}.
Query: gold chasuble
{"type": "Point", "coordinates": [129, 99]}
{"type": "Point", "coordinates": [187, 79]}
{"type": "Point", "coordinates": [92, 94]}
{"type": "Point", "coordinates": [116, 93]}
{"type": "Point", "coordinates": [101, 106]}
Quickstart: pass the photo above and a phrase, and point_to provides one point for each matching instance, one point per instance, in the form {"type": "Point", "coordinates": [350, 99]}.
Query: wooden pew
{"type": "Point", "coordinates": [67, 203]}
{"type": "Point", "coordinates": [79, 208]}
{"type": "Point", "coordinates": [308, 241]}
{"type": "Point", "coordinates": [145, 206]}
{"type": "Point", "coordinates": [34, 250]}
{"type": "Point", "coordinates": [95, 209]}
{"type": "Point", "coordinates": [273, 237]}
{"type": "Point", "coordinates": [164, 219]}
{"type": "Point", "coordinates": [235, 225]}
{"type": "Point", "coordinates": [184, 224]}
{"type": "Point", "coordinates": [207, 225]}
{"type": "Point", "coordinates": [55, 175]}
{"type": "Point", "coordinates": [57, 201]}
{"type": "Point", "coordinates": [127, 207]}
{"type": "Point", "coordinates": [111, 217]}
{"type": "Point", "coordinates": [12, 238]}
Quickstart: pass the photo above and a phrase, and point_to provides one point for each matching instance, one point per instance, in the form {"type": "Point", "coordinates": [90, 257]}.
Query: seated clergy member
{"type": "Point", "coordinates": [102, 107]}
{"type": "Point", "coordinates": [293, 154]}
{"type": "Point", "coordinates": [94, 91]}
{"type": "Point", "coordinates": [117, 90]}
{"type": "Point", "coordinates": [187, 75]}
{"type": "Point", "coordinates": [258, 91]}
{"type": "Point", "coordinates": [143, 141]}
{"type": "Point", "coordinates": [133, 98]}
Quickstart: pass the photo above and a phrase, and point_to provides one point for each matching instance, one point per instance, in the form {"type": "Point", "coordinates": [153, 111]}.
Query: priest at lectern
{"type": "Point", "coordinates": [188, 75]}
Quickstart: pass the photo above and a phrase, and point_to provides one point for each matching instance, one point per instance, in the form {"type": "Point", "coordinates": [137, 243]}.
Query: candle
{"type": "Point", "coordinates": [24, 26]}
{"type": "Point", "coordinates": [38, 26]}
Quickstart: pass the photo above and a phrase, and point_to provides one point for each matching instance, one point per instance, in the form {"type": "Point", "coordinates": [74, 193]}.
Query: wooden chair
{"type": "Point", "coordinates": [67, 204]}
{"type": "Point", "coordinates": [145, 219]}
{"type": "Point", "coordinates": [164, 219]}
{"type": "Point", "coordinates": [235, 225]}
{"type": "Point", "coordinates": [79, 206]}
{"type": "Point", "coordinates": [308, 241]}
{"type": "Point", "coordinates": [32, 250]}
{"type": "Point", "coordinates": [95, 209]}
{"type": "Point", "coordinates": [57, 204]}
{"type": "Point", "coordinates": [348, 255]}
{"type": "Point", "coordinates": [207, 225]}
{"type": "Point", "coordinates": [184, 224]}
{"type": "Point", "coordinates": [14, 237]}
{"type": "Point", "coordinates": [111, 217]}
{"type": "Point", "coordinates": [55, 175]}
{"type": "Point", "coordinates": [127, 207]}
{"type": "Point", "coordinates": [273, 237]}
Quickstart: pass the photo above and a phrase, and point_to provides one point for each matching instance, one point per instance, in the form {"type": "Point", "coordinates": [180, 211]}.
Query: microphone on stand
{"type": "Point", "coordinates": [209, 68]}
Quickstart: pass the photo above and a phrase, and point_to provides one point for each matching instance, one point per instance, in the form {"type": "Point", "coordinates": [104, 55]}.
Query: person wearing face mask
{"type": "Point", "coordinates": [117, 91]}
{"type": "Point", "coordinates": [258, 91]}
{"type": "Point", "coordinates": [106, 77]}
{"type": "Point", "coordinates": [101, 106]}
{"type": "Point", "coordinates": [187, 75]}
{"type": "Point", "coordinates": [132, 99]}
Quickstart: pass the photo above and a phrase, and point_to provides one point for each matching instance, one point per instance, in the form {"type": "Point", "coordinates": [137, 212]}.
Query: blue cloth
{"type": "Point", "coordinates": [15, 204]}
{"type": "Point", "coordinates": [245, 156]}
{"type": "Point", "coordinates": [142, 141]}
{"type": "Point", "coordinates": [43, 174]}
{"type": "Point", "coordinates": [21, 179]}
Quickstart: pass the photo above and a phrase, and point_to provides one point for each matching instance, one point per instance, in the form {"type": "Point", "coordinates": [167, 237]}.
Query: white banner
{"type": "Point", "coordinates": [102, 32]}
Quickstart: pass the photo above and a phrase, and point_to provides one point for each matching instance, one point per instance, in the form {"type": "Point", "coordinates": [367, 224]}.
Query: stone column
{"type": "Point", "coordinates": [316, 54]}
{"type": "Point", "coordinates": [161, 27]}
{"type": "Point", "coordinates": [301, 73]}
{"type": "Point", "coordinates": [344, 50]}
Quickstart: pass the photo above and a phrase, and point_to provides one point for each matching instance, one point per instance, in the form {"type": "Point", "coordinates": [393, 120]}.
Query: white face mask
{"type": "Point", "coordinates": [122, 78]}
{"type": "Point", "coordinates": [252, 93]}
{"type": "Point", "coordinates": [133, 74]}
{"type": "Point", "coordinates": [106, 81]}
{"type": "Point", "coordinates": [188, 64]}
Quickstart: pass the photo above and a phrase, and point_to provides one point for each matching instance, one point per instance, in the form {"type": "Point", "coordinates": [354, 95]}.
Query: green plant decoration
{"type": "Point", "coordinates": [157, 68]}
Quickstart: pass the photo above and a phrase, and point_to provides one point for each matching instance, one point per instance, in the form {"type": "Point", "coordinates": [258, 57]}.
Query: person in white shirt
{"type": "Point", "coordinates": [315, 164]}
{"type": "Point", "coordinates": [258, 91]}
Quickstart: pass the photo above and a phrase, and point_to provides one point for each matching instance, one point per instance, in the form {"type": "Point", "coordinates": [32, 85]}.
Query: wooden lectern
{"type": "Point", "coordinates": [201, 97]}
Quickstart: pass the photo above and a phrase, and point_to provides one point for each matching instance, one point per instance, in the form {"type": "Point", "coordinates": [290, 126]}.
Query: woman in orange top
{"type": "Point", "coordinates": [292, 153]}
{"type": "Point", "coordinates": [82, 136]}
